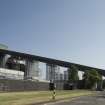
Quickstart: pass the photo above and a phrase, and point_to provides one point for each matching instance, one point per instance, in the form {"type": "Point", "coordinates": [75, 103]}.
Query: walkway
{"type": "Point", "coordinates": [99, 99]}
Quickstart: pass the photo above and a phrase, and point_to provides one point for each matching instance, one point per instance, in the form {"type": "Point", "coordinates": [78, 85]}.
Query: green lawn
{"type": "Point", "coordinates": [26, 98]}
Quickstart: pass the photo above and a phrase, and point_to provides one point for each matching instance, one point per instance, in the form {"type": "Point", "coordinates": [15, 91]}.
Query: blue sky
{"type": "Point", "coordinates": [71, 30]}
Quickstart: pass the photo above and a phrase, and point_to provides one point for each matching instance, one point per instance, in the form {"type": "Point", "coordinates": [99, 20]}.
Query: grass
{"type": "Point", "coordinates": [27, 98]}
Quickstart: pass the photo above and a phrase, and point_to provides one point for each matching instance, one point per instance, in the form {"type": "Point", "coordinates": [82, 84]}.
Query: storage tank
{"type": "Point", "coordinates": [2, 46]}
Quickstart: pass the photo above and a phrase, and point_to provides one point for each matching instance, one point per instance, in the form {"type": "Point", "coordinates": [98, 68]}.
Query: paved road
{"type": "Point", "coordinates": [99, 99]}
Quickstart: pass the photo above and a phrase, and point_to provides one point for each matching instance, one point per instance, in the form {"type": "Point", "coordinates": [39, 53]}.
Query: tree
{"type": "Point", "coordinates": [86, 79]}
{"type": "Point", "coordinates": [90, 78]}
{"type": "Point", "coordinates": [73, 74]}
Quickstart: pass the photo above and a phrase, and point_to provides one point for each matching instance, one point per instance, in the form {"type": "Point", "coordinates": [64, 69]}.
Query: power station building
{"type": "Point", "coordinates": [52, 72]}
{"type": "Point", "coordinates": [20, 71]}
{"type": "Point", "coordinates": [17, 65]}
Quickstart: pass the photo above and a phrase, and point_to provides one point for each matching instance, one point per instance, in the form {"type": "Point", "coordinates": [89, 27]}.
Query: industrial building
{"type": "Point", "coordinates": [25, 67]}
{"type": "Point", "coordinates": [52, 72]}
{"type": "Point", "coordinates": [28, 65]}
{"type": "Point", "coordinates": [13, 67]}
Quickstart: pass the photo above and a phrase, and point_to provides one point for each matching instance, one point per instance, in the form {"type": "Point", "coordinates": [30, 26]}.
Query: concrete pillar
{"type": "Point", "coordinates": [32, 69]}
{"type": "Point", "coordinates": [3, 60]}
{"type": "Point", "coordinates": [66, 75]}
{"type": "Point", "coordinates": [51, 71]}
